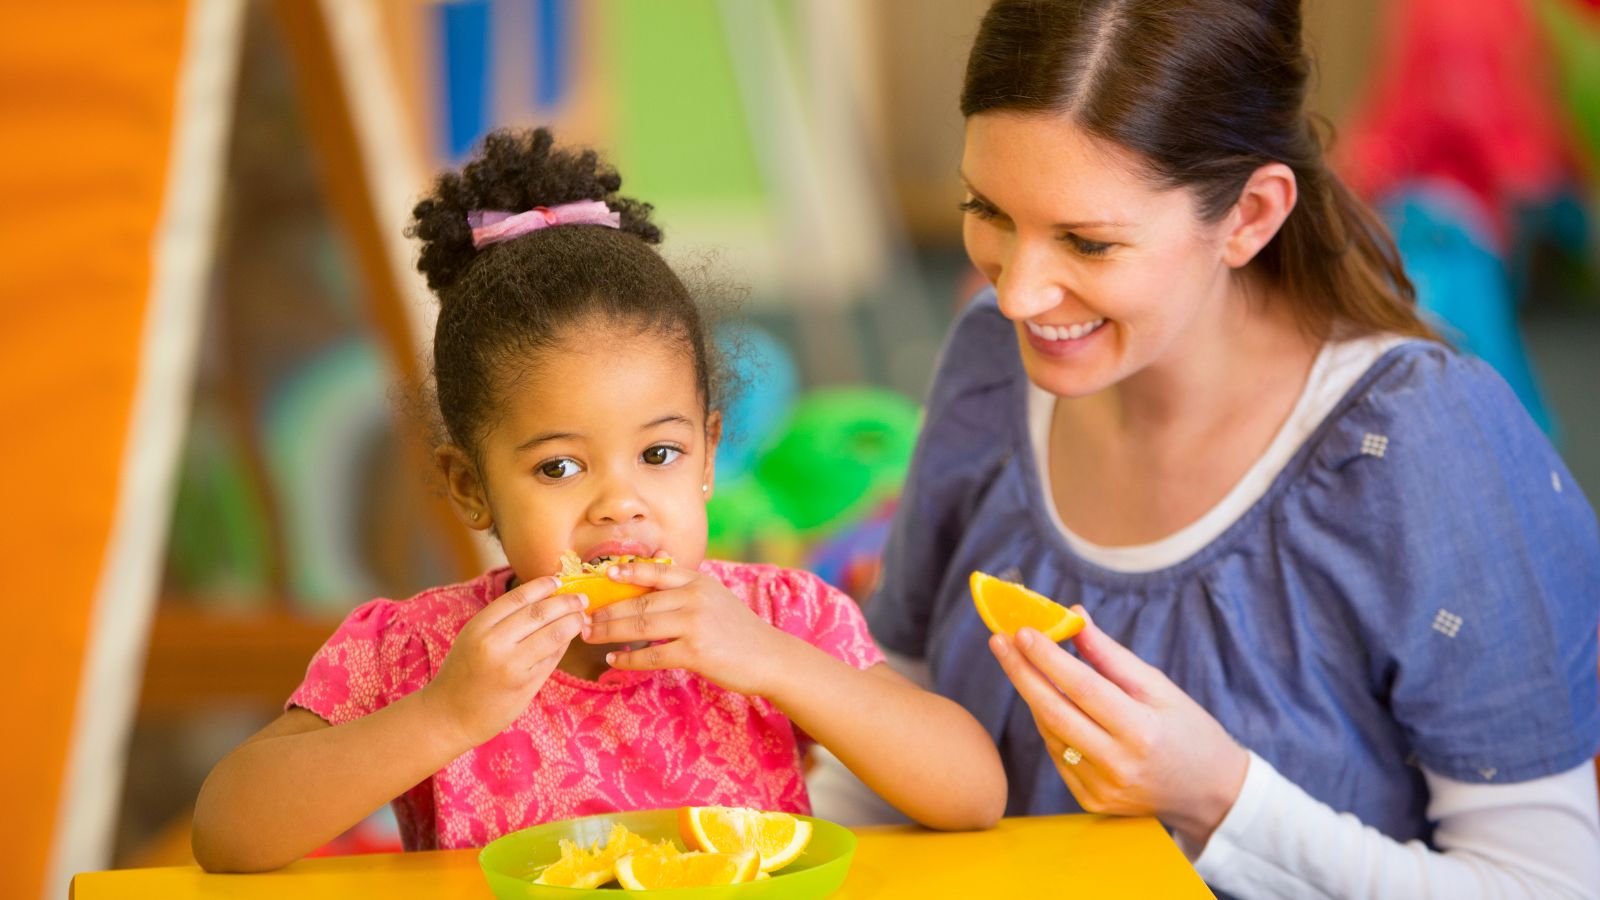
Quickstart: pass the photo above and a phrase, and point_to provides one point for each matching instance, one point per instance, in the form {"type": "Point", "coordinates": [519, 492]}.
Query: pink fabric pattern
{"type": "Point", "coordinates": [631, 740]}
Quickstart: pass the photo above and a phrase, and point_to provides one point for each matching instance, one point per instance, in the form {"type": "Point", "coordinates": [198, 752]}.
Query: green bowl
{"type": "Point", "coordinates": [512, 862]}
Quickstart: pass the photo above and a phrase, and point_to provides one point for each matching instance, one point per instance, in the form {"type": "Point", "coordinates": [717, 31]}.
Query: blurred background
{"type": "Point", "coordinates": [215, 327]}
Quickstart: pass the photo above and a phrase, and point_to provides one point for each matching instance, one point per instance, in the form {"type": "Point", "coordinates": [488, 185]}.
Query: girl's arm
{"type": "Point", "coordinates": [918, 750]}
{"type": "Point", "coordinates": [301, 782]}
{"type": "Point", "coordinates": [921, 752]}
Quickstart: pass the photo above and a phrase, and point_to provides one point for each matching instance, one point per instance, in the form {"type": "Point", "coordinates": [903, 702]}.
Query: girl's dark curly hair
{"type": "Point", "coordinates": [501, 304]}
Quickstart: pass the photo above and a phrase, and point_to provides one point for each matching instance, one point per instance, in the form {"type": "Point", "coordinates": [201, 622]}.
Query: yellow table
{"type": "Point", "coordinates": [1081, 856]}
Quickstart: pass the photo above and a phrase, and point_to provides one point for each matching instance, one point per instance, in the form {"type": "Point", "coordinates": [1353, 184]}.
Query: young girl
{"type": "Point", "coordinates": [576, 386]}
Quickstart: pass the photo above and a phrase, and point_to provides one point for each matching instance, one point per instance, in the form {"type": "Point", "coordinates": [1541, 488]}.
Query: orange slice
{"type": "Point", "coordinates": [589, 868]}
{"type": "Point", "coordinates": [1006, 607]}
{"type": "Point", "coordinates": [591, 581]}
{"type": "Point", "coordinates": [779, 837]}
{"type": "Point", "coordinates": [648, 871]}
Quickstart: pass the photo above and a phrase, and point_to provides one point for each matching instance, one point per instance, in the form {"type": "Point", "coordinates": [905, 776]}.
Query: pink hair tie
{"type": "Point", "coordinates": [490, 226]}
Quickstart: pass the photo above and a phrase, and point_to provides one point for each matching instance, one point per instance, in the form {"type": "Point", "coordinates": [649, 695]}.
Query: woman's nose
{"type": "Point", "coordinates": [1029, 283]}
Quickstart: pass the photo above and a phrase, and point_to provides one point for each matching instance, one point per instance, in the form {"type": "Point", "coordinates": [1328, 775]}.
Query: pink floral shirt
{"type": "Point", "coordinates": [632, 740]}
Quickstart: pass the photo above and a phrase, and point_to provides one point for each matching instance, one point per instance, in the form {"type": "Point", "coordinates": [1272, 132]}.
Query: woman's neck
{"type": "Point", "coordinates": [1140, 460]}
{"type": "Point", "coordinates": [1222, 368]}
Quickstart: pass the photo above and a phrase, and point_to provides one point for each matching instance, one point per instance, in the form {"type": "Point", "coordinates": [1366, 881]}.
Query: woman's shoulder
{"type": "Point", "coordinates": [1432, 468]}
{"type": "Point", "coordinates": [1427, 413]}
{"type": "Point", "coordinates": [979, 354]}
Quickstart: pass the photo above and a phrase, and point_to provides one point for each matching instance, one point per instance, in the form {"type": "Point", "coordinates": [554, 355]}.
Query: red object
{"type": "Point", "coordinates": [1463, 92]}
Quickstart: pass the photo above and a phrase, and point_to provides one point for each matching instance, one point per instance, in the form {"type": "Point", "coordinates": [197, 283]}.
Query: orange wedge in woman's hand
{"type": "Point", "coordinates": [778, 837]}
{"type": "Point", "coordinates": [1006, 607]}
{"type": "Point", "coordinates": [647, 871]}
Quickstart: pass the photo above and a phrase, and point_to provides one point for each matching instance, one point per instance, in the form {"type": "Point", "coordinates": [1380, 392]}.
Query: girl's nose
{"type": "Point", "coordinates": [616, 503]}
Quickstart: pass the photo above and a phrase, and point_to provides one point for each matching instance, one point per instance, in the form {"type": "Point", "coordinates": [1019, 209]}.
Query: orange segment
{"type": "Point", "coordinates": [648, 871]}
{"type": "Point", "coordinates": [779, 837]}
{"type": "Point", "coordinates": [592, 867]}
{"type": "Point", "coordinates": [1006, 607]}
{"type": "Point", "coordinates": [600, 590]}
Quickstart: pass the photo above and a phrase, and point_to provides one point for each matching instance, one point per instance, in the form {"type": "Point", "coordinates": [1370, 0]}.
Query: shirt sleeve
{"type": "Point", "coordinates": [965, 438]}
{"type": "Point", "coordinates": [813, 610]}
{"type": "Point", "coordinates": [1536, 839]}
{"type": "Point", "coordinates": [1468, 560]}
{"type": "Point", "coordinates": [373, 659]}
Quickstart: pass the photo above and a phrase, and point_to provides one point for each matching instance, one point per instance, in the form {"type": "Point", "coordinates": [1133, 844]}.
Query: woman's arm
{"type": "Point", "coordinates": [301, 782]}
{"type": "Point", "coordinates": [1535, 839]}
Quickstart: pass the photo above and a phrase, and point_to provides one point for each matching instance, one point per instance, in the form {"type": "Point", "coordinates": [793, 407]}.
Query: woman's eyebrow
{"type": "Point", "coordinates": [1064, 226]}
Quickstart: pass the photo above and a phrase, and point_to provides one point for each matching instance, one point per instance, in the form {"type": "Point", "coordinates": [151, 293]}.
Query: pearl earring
{"type": "Point", "coordinates": [705, 488]}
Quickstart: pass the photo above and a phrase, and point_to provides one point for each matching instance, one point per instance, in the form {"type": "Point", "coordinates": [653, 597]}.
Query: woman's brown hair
{"type": "Point", "coordinates": [1206, 92]}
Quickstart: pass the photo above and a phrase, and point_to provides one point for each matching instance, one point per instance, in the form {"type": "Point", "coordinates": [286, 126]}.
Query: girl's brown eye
{"type": "Point", "coordinates": [661, 455]}
{"type": "Point", "coordinates": [558, 469]}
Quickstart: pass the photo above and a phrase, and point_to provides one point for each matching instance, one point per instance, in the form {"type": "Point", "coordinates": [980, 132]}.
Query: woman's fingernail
{"type": "Point", "coordinates": [1000, 646]}
{"type": "Point", "coordinates": [1024, 637]}
{"type": "Point", "coordinates": [614, 572]}
{"type": "Point", "coordinates": [583, 601]}
{"type": "Point", "coordinates": [611, 659]}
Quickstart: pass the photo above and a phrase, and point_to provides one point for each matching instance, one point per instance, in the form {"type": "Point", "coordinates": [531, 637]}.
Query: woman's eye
{"type": "Point", "coordinates": [558, 469]}
{"type": "Point", "coordinates": [1086, 246]}
{"type": "Point", "coordinates": [975, 207]}
{"type": "Point", "coordinates": [660, 455]}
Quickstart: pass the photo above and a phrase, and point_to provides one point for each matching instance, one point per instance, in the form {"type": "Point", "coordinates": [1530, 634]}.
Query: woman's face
{"type": "Point", "coordinates": [1103, 274]}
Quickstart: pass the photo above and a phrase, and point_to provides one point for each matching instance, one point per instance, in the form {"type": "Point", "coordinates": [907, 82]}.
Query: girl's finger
{"type": "Point", "coordinates": [1057, 717]}
{"type": "Point", "coordinates": [517, 598]}
{"type": "Point", "coordinates": [649, 626]}
{"type": "Point", "coordinates": [531, 618]}
{"type": "Point", "coordinates": [654, 575]}
{"type": "Point", "coordinates": [1095, 694]}
{"type": "Point", "coordinates": [551, 640]}
{"type": "Point", "coordinates": [640, 607]}
{"type": "Point", "coordinates": [653, 657]}
{"type": "Point", "coordinates": [1122, 666]}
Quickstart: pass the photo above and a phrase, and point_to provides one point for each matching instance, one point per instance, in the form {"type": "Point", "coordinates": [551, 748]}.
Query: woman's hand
{"type": "Point", "coordinates": [1142, 746]}
{"type": "Point", "coordinates": [502, 657]}
{"type": "Point", "coordinates": [693, 622]}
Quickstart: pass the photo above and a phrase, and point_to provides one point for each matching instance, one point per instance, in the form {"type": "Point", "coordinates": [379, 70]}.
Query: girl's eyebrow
{"type": "Point", "coordinates": [668, 419]}
{"type": "Point", "coordinates": [1064, 226]}
{"type": "Point", "coordinates": [548, 436]}
{"type": "Point", "coordinates": [545, 438]}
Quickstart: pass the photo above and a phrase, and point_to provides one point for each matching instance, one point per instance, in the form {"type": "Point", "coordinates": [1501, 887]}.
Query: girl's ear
{"type": "Point", "coordinates": [713, 439]}
{"type": "Point", "coordinates": [1264, 204]}
{"type": "Point", "coordinates": [461, 480]}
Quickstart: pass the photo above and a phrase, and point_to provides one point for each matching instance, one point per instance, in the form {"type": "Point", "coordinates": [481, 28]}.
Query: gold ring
{"type": "Point", "coordinates": [1071, 756]}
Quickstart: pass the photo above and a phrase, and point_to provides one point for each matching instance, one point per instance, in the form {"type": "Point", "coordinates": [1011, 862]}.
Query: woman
{"type": "Point", "coordinates": [1343, 592]}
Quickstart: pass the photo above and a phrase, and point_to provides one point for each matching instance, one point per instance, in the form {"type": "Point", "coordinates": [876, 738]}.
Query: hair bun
{"type": "Point", "coordinates": [515, 170]}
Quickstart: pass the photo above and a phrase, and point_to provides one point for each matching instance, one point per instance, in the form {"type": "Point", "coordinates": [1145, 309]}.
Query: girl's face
{"type": "Point", "coordinates": [601, 448]}
{"type": "Point", "coordinates": [1102, 273]}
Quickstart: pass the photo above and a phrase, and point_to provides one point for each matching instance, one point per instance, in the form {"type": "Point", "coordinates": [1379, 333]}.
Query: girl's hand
{"type": "Point", "coordinates": [706, 629]}
{"type": "Point", "coordinates": [503, 656]}
{"type": "Point", "coordinates": [1143, 746]}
